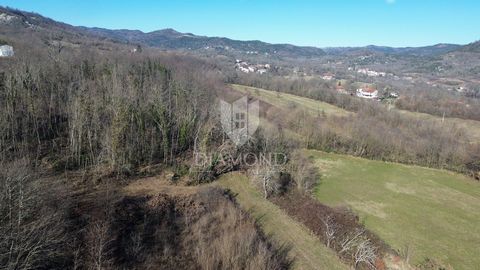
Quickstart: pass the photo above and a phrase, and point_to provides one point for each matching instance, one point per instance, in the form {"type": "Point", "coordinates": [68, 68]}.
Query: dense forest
{"type": "Point", "coordinates": [107, 117]}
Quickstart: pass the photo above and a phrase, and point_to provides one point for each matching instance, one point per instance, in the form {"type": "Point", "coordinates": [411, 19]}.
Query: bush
{"type": "Point", "coordinates": [304, 173]}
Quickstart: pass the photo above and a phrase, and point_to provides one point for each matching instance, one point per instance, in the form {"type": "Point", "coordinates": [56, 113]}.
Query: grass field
{"type": "Point", "coordinates": [435, 212]}
{"type": "Point", "coordinates": [309, 252]}
{"type": "Point", "coordinates": [471, 127]}
{"type": "Point", "coordinates": [283, 100]}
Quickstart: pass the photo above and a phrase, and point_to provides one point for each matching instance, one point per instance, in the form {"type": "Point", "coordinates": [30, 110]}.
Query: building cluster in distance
{"type": "Point", "coordinates": [368, 91]}
{"type": "Point", "coordinates": [371, 73]}
{"type": "Point", "coordinates": [245, 67]}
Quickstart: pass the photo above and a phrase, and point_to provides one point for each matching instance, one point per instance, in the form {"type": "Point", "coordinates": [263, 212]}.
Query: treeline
{"type": "Point", "coordinates": [376, 133]}
{"type": "Point", "coordinates": [115, 112]}
{"type": "Point", "coordinates": [429, 101]}
{"type": "Point", "coordinates": [311, 88]}
{"type": "Point", "coordinates": [373, 132]}
{"type": "Point", "coordinates": [441, 104]}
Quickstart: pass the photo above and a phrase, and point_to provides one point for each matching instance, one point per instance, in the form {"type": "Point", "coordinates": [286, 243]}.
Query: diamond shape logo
{"type": "Point", "coordinates": [240, 119]}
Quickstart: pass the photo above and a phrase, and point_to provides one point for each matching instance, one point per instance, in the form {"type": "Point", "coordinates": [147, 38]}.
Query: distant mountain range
{"type": "Point", "coordinates": [472, 47]}
{"type": "Point", "coordinates": [421, 51]}
{"type": "Point", "coordinates": [170, 39]}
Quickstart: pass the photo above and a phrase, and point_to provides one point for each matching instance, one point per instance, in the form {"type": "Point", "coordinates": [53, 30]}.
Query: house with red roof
{"type": "Point", "coordinates": [367, 92]}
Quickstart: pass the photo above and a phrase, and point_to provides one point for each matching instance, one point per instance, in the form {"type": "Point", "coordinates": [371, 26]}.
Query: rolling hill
{"type": "Point", "coordinates": [167, 39]}
{"type": "Point", "coordinates": [433, 50]}
{"type": "Point", "coordinates": [472, 47]}
{"type": "Point", "coordinates": [309, 251]}
{"type": "Point", "coordinates": [170, 39]}
{"type": "Point", "coordinates": [173, 40]}
{"type": "Point", "coordinates": [428, 211]}
{"type": "Point", "coordinates": [16, 21]}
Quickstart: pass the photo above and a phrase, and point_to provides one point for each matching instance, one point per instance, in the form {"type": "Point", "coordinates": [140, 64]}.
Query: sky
{"type": "Point", "coordinates": [320, 23]}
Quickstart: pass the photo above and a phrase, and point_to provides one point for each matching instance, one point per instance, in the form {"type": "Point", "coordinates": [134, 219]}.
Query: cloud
{"type": "Point", "coordinates": [390, 1]}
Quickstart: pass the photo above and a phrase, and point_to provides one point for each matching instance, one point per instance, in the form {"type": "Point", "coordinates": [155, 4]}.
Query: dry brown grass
{"type": "Point", "coordinates": [226, 238]}
{"type": "Point", "coordinates": [155, 224]}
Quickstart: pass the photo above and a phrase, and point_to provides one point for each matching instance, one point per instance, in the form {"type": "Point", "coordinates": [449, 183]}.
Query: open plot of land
{"type": "Point", "coordinates": [309, 252]}
{"type": "Point", "coordinates": [435, 212]}
{"type": "Point", "coordinates": [471, 127]}
{"type": "Point", "coordinates": [284, 101]}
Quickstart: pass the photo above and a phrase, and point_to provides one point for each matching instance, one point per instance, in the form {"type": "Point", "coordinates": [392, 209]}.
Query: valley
{"type": "Point", "coordinates": [131, 143]}
{"type": "Point", "coordinates": [420, 211]}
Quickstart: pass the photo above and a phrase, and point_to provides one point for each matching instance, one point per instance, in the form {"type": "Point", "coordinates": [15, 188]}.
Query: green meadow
{"type": "Point", "coordinates": [284, 100]}
{"type": "Point", "coordinates": [433, 213]}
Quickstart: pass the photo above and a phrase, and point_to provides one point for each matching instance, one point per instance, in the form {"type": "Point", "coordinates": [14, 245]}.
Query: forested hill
{"type": "Point", "coordinates": [472, 47]}
{"type": "Point", "coordinates": [165, 39]}
{"type": "Point", "coordinates": [171, 39]}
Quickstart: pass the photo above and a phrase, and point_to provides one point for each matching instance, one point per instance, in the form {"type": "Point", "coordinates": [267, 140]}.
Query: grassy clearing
{"type": "Point", "coordinates": [471, 127]}
{"type": "Point", "coordinates": [309, 252]}
{"type": "Point", "coordinates": [286, 101]}
{"type": "Point", "coordinates": [434, 212]}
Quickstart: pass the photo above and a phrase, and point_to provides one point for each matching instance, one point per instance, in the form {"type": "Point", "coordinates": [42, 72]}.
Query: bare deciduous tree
{"type": "Point", "coordinates": [360, 247]}
{"type": "Point", "coordinates": [331, 228]}
{"type": "Point", "coordinates": [365, 253]}
{"type": "Point", "coordinates": [266, 175]}
{"type": "Point", "coordinates": [350, 241]}
{"type": "Point", "coordinates": [30, 232]}
{"type": "Point", "coordinates": [98, 241]}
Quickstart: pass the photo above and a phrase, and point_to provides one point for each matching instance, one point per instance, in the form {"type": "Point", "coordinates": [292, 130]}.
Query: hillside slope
{"type": "Point", "coordinates": [173, 40]}
{"type": "Point", "coordinates": [433, 213]}
{"type": "Point", "coordinates": [309, 252]}
{"type": "Point", "coordinates": [472, 47]}
{"type": "Point", "coordinates": [285, 101]}
{"type": "Point", "coordinates": [169, 39]}
{"type": "Point", "coordinates": [417, 51]}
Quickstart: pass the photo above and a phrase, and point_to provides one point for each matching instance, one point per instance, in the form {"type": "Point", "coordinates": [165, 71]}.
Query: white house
{"type": "Point", "coordinates": [328, 76]}
{"type": "Point", "coordinates": [245, 67]}
{"type": "Point", "coordinates": [368, 92]}
{"type": "Point", "coordinates": [393, 95]}
{"type": "Point", "coordinates": [6, 51]}
{"type": "Point", "coordinates": [262, 71]}
{"type": "Point", "coordinates": [242, 69]}
{"type": "Point", "coordinates": [372, 73]}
